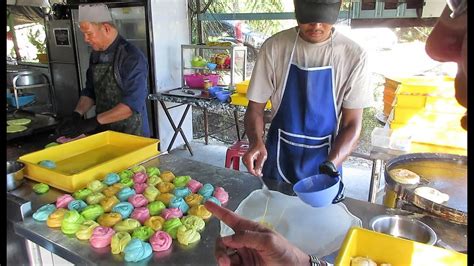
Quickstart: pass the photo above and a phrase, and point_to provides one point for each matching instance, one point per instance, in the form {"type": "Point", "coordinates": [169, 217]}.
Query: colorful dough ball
{"type": "Point", "coordinates": [155, 222]}
{"type": "Point", "coordinates": [156, 207]}
{"type": "Point", "coordinates": [119, 242]}
{"type": "Point", "coordinates": [108, 203]}
{"type": "Point", "coordinates": [152, 171]}
{"type": "Point", "coordinates": [167, 176]}
{"type": "Point", "coordinates": [165, 187]}
{"type": "Point", "coordinates": [85, 230]}
{"type": "Point", "coordinates": [55, 219]}
{"type": "Point", "coordinates": [82, 194]}
{"type": "Point", "coordinates": [137, 250]}
{"type": "Point", "coordinates": [40, 188]}
{"type": "Point", "coordinates": [96, 186]}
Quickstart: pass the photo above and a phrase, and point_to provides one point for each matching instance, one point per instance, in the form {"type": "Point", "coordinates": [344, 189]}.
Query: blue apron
{"type": "Point", "coordinates": [304, 127]}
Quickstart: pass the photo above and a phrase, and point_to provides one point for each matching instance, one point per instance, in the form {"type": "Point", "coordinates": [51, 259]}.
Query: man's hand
{"type": "Point", "coordinates": [68, 124]}
{"type": "Point", "coordinates": [328, 168]}
{"type": "Point", "coordinates": [254, 159]}
{"type": "Point", "coordinates": [252, 243]}
{"type": "Point", "coordinates": [84, 126]}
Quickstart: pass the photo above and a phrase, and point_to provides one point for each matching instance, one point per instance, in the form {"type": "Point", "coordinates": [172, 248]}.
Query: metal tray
{"type": "Point", "coordinates": [187, 92]}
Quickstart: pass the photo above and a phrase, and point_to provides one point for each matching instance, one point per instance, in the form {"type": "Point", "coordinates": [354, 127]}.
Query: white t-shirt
{"type": "Point", "coordinates": [348, 59]}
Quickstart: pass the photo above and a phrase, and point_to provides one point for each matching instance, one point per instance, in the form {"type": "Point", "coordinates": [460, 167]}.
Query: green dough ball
{"type": "Point", "coordinates": [51, 145]}
{"type": "Point", "coordinates": [40, 188]}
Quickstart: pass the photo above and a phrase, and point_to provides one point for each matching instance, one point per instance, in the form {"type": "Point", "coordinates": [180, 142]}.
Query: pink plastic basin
{"type": "Point", "coordinates": [197, 80]}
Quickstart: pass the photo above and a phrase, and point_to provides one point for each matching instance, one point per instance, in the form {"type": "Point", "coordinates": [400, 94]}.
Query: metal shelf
{"type": "Point", "coordinates": [202, 50]}
{"type": "Point", "coordinates": [17, 88]}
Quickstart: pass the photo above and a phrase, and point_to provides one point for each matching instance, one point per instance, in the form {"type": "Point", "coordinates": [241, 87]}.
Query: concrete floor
{"type": "Point", "coordinates": [356, 178]}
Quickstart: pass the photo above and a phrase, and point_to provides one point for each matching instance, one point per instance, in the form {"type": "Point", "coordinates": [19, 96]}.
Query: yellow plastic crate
{"type": "Point", "coordinates": [421, 117]}
{"type": "Point", "coordinates": [242, 87]}
{"type": "Point", "coordinates": [241, 99]}
{"type": "Point", "coordinates": [383, 248]}
{"type": "Point", "coordinates": [81, 161]}
{"type": "Point", "coordinates": [438, 85]}
{"type": "Point", "coordinates": [430, 103]}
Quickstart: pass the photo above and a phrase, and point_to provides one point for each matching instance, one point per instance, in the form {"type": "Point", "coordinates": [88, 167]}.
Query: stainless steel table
{"type": "Point", "coordinates": [238, 184]}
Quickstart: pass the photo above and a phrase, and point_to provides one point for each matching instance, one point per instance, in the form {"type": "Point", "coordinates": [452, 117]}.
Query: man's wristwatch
{"type": "Point", "coordinates": [316, 262]}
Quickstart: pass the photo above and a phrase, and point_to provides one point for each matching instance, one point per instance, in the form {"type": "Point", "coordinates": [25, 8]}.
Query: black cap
{"type": "Point", "coordinates": [317, 11]}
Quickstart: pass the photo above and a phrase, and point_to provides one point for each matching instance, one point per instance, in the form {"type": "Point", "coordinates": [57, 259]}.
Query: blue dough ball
{"type": "Point", "coordinates": [48, 164]}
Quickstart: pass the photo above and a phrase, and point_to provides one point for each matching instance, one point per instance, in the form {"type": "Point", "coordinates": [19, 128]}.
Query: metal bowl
{"type": "Point", "coordinates": [404, 227]}
{"type": "Point", "coordinates": [14, 174]}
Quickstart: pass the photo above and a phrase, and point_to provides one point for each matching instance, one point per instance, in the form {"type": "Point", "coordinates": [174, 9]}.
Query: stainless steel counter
{"type": "Point", "coordinates": [238, 184]}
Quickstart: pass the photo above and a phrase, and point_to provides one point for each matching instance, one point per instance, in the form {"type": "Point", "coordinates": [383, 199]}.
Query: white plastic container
{"type": "Point", "coordinates": [380, 137]}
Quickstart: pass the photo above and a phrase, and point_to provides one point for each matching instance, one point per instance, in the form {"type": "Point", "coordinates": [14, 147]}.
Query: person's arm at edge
{"type": "Point", "coordinates": [346, 139]}
{"type": "Point", "coordinates": [254, 124]}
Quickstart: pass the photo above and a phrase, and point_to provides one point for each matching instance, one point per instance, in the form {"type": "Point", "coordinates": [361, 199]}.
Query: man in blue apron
{"type": "Point", "coordinates": [116, 80]}
{"type": "Point", "coordinates": [317, 81]}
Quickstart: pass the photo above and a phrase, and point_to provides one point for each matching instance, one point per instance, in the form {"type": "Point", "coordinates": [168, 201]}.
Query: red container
{"type": "Point", "coordinates": [197, 80]}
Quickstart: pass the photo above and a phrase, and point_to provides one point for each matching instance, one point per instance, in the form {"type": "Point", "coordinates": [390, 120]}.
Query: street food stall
{"type": "Point", "coordinates": [241, 187]}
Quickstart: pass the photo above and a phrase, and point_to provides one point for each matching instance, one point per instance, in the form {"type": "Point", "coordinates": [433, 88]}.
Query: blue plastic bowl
{"type": "Point", "coordinates": [317, 190]}
{"type": "Point", "coordinates": [214, 90]}
{"type": "Point", "coordinates": [223, 96]}
{"type": "Point", "coordinates": [211, 66]}
{"type": "Point", "coordinates": [24, 99]}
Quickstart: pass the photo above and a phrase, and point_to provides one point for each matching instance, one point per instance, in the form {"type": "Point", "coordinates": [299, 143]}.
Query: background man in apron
{"type": "Point", "coordinates": [116, 80]}
{"type": "Point", "coordinates": [317, 81]}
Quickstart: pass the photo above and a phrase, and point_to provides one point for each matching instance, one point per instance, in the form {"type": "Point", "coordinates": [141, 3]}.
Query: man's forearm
{"type": "Point", "coordinates": [253, 123]}
{"type": "Point", "coordinates": [118, 113]}
{"type": "Point", "coordinates": [84, 104]}
{"type": "Point", "coordinates": [344, 144]}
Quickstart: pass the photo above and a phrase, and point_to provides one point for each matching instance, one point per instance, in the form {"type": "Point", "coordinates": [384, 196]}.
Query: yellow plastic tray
{"type": "Point", "coordinates": [383, 248]}
{"type": "Point", "coordinates": [241, 99]}
{"type": "Point", "coordinates": [81, 161]}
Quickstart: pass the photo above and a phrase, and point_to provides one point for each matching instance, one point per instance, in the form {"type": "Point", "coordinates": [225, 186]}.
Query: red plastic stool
{"type": "Point", "coordinates": [234, 152]}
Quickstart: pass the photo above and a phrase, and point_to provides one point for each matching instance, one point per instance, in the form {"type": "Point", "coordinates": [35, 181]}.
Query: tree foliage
{"type": "Point", "coordinates": [410, 34]}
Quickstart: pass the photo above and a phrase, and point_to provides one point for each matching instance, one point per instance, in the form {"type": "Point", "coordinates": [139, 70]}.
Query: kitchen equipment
{"type": "Point", "coordinates": [90, 158]}
{"type": "Point", "coordinates": [24, 77]}
{"type": "Point", "coordinates": [316, 231]}
{"type": "Point", "coordinates": [383, 248]}
{"type": "Point", "coordinates": [444, 172]}
{"type": "Point", "coordinates": [404, 227]}
{"type": "Point", "coordinates": [197, 80]}
{"type": "Point", "coordinates": [14, 174]}
{"type": "Point", "coordinates": [187, 92]}
{"type": "Point", "coordinates": [318, 190]}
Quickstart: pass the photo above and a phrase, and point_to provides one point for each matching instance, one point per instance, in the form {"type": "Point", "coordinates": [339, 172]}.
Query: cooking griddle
{"type": "Point", "coordinates": [39, 123]}
{"type": "Point", "coordinates": [186, 92]}
{"type": "Point", "coordinates": [444, 172]}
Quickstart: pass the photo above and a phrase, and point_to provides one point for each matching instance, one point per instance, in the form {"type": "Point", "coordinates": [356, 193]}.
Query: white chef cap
{"type": "Point", "coordinates": [94, 13]}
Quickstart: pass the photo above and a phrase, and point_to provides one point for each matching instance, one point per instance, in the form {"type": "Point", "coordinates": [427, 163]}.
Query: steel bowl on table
{"type": "Point", "coordinates": [404, 227]}
{"type": "Point", "coordinates": [14, 174]}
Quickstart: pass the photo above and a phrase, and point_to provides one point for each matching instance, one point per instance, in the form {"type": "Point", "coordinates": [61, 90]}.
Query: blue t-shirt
{"type": "Point", "coordinates": [132, 68]}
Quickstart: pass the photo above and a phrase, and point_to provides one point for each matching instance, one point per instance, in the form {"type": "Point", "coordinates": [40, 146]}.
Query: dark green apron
{"type": "Point", "coordinates": [107, 95]}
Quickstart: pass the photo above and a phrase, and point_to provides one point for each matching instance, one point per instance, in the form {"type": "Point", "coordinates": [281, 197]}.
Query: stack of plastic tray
{"type": "Point", "coordinates": [426, 106]}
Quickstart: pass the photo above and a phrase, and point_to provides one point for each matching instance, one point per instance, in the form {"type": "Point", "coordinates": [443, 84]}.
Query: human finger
{"type": "Point", "coordinates": [259, 161]}
{"type": "Point", "coordinates": [234, 221]}
{"type": "Point", "coordinates": [248, 161]}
